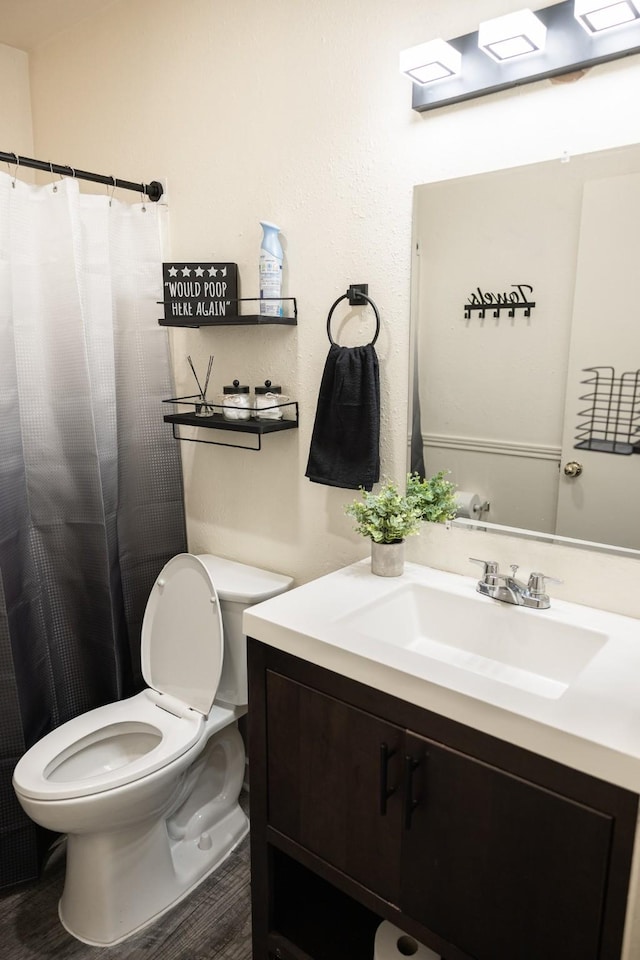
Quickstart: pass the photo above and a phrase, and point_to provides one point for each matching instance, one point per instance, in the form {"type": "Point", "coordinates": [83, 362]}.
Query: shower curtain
{"type": "Point", "coordinates": [91, 501]}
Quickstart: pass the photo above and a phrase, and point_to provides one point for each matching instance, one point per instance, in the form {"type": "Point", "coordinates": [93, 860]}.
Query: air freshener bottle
{"type": "Point", "coordinates": [270, 271]}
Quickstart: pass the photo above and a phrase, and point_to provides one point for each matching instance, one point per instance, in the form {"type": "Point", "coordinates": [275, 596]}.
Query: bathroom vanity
{"type": "Point", "coordinates": [441, 789]}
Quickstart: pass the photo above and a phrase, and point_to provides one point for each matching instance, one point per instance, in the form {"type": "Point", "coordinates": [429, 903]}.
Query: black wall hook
{"type": "Point", "coordinates": [357, 294]}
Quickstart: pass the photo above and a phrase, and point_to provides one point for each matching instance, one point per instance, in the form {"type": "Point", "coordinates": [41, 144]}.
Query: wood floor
{"type": "Point", "coordinates": [212, 924]}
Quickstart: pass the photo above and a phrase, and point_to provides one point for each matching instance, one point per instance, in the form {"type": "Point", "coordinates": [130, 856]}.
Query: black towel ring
{"type": "Point", "coordinates": [345, 296]}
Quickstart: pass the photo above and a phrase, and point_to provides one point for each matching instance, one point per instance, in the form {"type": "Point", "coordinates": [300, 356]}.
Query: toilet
{"type": "Point", "coordinates": [146, 789]}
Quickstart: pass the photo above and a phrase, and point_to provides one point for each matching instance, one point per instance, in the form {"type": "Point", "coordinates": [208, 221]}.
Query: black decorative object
{"type": "Point", "coordinates": [195, 292]}
{"type": "Point", "coordinates": [518, 297]}
{"type": "Point", "coordinates": [612, 417]}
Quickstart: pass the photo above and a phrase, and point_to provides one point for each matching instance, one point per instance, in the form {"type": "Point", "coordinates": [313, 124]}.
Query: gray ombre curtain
{"type": "Point", "coordinates": [91, 502]}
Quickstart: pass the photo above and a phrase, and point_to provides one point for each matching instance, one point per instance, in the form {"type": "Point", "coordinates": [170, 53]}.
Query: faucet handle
{"type": "Point", "coordinates": [537, 583]}
{"type": "Point", "coordinates": [490, 567]}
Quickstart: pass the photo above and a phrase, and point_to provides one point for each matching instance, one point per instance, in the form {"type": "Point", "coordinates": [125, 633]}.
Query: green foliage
{"type": "Point", "coordinates": [387, 516]}
{"type": "Point", "coordinates": [434, 498]}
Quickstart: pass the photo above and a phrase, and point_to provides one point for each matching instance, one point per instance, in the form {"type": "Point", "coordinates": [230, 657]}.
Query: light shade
{"type": "Point", "coordinates": [568, 49]}
{"type": "Point", "coordinates": [597, 15]}
{"type": "Point", "coordinates": [430, 61]}
{"type": "Point", "coordinates": [513, 35]}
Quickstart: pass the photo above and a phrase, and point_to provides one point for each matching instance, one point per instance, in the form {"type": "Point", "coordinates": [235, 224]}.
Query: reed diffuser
{"type": "Point", "coordinates": [203, 407]}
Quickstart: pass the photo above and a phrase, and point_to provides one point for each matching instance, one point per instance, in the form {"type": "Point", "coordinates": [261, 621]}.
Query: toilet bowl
{"type": "Point", "coordinates": [147, 788]}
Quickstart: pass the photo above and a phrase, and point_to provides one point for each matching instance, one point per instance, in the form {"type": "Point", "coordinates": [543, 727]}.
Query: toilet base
{"type": "Point", "coordinates": [120, 879]}
{"type": "Point", "coordinates": [102, 914]}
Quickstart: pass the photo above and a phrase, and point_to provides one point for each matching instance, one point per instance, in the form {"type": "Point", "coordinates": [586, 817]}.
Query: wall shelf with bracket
{"type": "Point", "coordinates": [238, 318]}
{"type": "Point", "coordinates": [215, 420]}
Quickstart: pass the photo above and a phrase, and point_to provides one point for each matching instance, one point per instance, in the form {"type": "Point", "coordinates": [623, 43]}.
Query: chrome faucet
{"type": "Point", "coordinates": [506, 588]}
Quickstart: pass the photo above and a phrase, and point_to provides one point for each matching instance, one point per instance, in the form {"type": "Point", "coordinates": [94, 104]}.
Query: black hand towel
{"type": "Point", "coordinates": [345, 444]}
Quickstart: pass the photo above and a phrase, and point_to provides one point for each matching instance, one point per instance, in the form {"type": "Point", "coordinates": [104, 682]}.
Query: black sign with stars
{"type": "Point", "coordinates": [196, 292]}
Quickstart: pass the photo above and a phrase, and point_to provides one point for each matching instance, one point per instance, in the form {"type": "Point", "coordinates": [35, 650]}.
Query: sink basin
{"type": "Point", "coordinates": [530, 650]}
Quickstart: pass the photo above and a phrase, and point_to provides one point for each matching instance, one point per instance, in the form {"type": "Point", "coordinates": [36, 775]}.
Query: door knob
{"type": "Point", "coordinates": [572, 469]}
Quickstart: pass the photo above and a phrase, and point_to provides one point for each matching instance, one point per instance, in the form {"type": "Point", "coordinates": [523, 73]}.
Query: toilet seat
{"type": "Point", "coordinates": [182, 647]}
{"type": "Point", "coordinates": [182, 643]}
{"type": "Point", "coordinates": [148, 738]}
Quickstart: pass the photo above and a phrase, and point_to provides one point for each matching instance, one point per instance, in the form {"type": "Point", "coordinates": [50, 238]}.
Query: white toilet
{"type": "Point", "coordinates": [147, 788]}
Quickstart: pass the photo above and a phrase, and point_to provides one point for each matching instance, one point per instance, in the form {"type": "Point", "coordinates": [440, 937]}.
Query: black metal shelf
{"type": "Point", "coordinates": [217, 421]}
{"type": "Point", "coordinates": [246, 320]}
{"type": "Point", "coordinates": [236, 319]}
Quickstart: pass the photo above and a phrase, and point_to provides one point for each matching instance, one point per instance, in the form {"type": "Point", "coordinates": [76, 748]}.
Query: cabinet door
{"type": "Point", "coordinates": [327, 767]}
{"type": "Point", "coordinates": [500, 866]}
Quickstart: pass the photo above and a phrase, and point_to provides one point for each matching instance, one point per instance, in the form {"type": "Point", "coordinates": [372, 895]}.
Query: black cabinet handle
{"type": "Point", "coordinates": [410, 765]}
{"type": "Point", "coordinates": [384, 792]}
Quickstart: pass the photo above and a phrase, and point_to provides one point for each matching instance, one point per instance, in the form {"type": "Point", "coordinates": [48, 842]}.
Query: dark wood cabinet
{"type": "Point", "coordinates": [492, 861]}
{"type": "Point", "coordinates": [386, 811]}
{"type": "Point", "coordinates": [324, 782]}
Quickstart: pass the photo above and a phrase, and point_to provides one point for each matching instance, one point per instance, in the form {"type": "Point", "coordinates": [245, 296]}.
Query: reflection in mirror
{"type": "Point", "coordinates": [526, 382]}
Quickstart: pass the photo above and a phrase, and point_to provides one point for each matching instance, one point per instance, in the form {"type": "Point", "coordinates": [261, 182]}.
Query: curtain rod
{"type": "Point", "coordinates": [152, 190]}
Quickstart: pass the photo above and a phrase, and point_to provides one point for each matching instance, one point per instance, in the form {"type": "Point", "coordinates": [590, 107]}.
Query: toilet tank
{"type": "Point", "coordinates": [238, 586]}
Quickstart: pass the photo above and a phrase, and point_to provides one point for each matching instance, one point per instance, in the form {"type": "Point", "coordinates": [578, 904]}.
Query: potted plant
{"type": "Point", "coordinates": [388, 517]}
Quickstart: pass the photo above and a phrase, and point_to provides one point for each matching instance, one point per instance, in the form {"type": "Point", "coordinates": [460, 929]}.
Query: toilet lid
{"type": "Point", "coordinates": [182, 640]}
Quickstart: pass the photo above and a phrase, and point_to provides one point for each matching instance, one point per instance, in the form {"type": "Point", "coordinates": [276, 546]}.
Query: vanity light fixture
{"type": "Point", "coordinates": [571, 36]}
{"type": "Point", "coordinates": [597, 15]}
{"type": "Point", "coordinates": [514, 35]}
{"type": "Point", "coordinates": [430, 61]}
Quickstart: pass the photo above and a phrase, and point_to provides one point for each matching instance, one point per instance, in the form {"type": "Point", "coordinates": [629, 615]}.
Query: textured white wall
{"type": "Point", "coordinates": [295, 112]}
{"type": "Point", "coordinates": [16, 131]}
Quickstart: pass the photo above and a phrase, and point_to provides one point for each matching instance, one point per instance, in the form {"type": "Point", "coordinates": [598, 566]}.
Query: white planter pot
{"type": "Point", "coordinates": [387, 559]}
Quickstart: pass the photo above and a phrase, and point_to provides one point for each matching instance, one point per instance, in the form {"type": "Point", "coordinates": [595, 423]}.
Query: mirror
{"type": "Point", "coordinates": [526, 341]}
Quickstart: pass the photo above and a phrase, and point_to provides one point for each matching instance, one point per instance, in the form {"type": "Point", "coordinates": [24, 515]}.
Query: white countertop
{"type": "Point", "coordinates": [593, 726]}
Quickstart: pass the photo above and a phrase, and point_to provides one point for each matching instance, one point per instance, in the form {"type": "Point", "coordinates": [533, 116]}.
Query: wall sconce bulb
{"type": "Point", "coordinates": [514, 35]}
{"type": "Point", "coordinates": [435, 60]}
{"type": "Point", "coordinates": [594, 16]}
